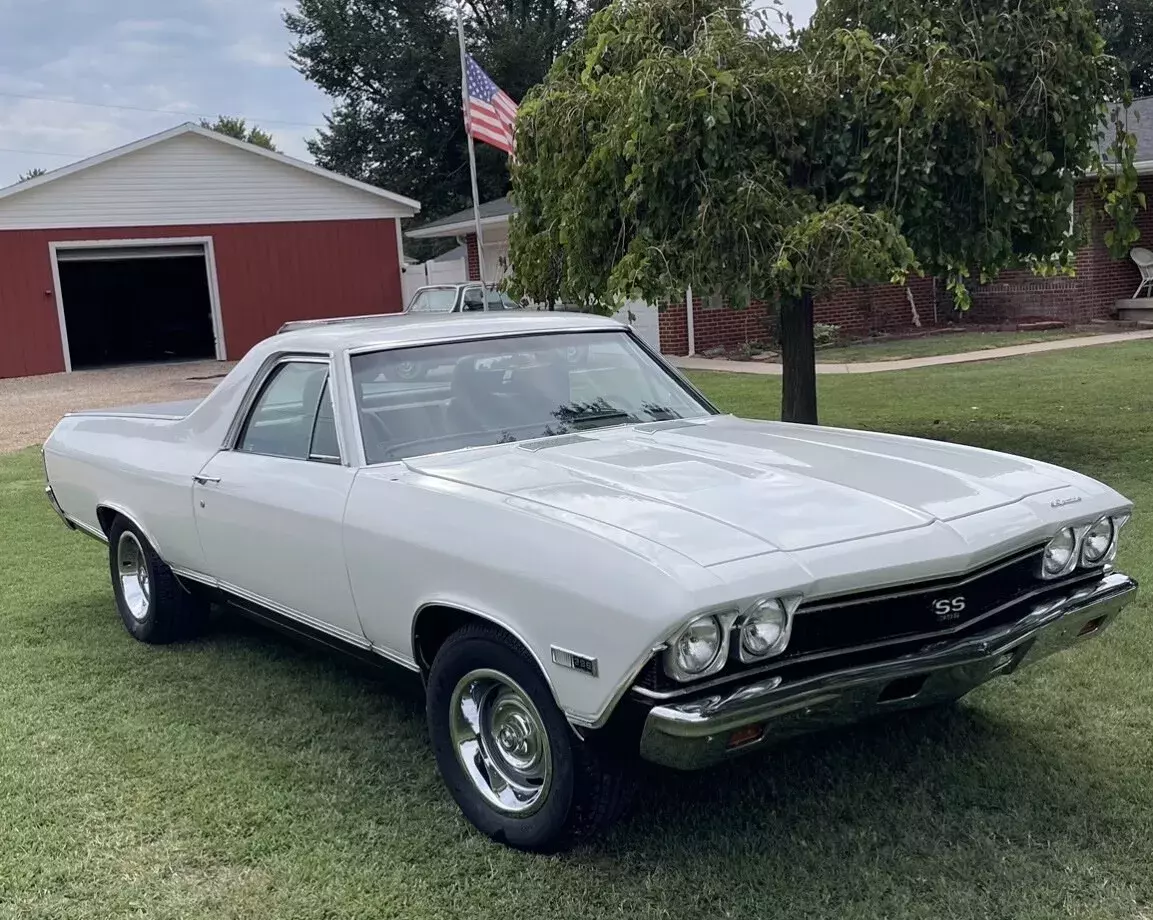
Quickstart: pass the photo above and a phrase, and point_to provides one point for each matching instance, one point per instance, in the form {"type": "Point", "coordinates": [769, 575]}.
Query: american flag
{"type": "Point", "coordinates": [490, 113]}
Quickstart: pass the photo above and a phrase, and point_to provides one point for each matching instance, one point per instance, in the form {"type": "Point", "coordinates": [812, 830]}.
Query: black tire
{"type": "Point", "coordinates": [167, 612]}
{"type": "Point", "coordinates": [589, 788]}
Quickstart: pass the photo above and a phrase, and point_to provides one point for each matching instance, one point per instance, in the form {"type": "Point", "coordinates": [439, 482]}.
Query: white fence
{"type": "Point", "coordinates": [416, 276]}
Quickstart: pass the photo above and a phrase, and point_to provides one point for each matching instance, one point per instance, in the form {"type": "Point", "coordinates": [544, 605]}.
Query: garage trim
{"type": "Point", "coordinates": [55, 248]}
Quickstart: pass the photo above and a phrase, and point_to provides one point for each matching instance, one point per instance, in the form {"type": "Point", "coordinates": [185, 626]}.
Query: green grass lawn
{"type": "Point", "coordinates": [244, 776]}
{"type": "Point", "coordinates": [951, 343]}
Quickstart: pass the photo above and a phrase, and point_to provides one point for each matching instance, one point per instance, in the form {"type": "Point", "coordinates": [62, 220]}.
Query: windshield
{"type": "Point", "coordinates": [435, 398]}
{"type": "Point", "coordinates": [434, 300]}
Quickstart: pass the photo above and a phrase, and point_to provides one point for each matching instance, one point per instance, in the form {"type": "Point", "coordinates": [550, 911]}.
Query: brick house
{"type": "Point", "coordinates": [1101, 288]}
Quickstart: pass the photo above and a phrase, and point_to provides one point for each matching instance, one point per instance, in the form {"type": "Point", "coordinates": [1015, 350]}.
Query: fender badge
{"type": "Point", "coordinates": [1062, 502]}
{"type": "Point", "coordinates": [577, 662]}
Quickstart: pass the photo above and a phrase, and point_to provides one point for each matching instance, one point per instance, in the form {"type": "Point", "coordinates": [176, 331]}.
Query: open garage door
{"type": "Point", "coordinates": [135, 304]}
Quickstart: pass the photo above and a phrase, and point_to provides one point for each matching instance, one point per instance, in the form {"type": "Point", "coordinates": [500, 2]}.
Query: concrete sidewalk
{"type": "Point", "coordinates": [875, 367]}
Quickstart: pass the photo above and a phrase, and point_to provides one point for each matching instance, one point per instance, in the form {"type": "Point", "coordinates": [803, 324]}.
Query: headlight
{"type": "Point", "coordinates": [764, 630]}
{"type": "Point", "coordinates": [1097, 542]}
{"type": "Point", "coordinates": [696, 649]}
{"type": "Point", "coordinates": [1059, 554]}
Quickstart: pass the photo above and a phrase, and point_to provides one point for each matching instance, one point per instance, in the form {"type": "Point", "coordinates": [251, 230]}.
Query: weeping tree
{"type": "Point", "coordinates": [679, 142]}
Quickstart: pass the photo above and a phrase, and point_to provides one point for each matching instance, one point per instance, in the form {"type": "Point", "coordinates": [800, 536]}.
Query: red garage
{"type": "Point", "coordinates": [186, 245]}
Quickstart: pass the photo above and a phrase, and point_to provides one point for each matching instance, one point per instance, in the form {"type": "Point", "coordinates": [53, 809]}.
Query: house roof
{"type": "Point", "coordinates": [189, 128]}
{"type": "Point", "coordinates": [1141, 124]}
{"type": "Point", "coordinates": [492, 213]}
{"type": "Point", "coordinates": [457, 254]}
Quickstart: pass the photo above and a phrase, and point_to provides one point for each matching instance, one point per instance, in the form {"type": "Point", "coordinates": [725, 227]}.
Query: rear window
{"type": "Point", "coordinates": [438, 300]}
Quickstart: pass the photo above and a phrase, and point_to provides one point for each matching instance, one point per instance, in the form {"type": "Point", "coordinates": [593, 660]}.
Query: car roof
{"type": "Point", "coordinates": [397, 329]}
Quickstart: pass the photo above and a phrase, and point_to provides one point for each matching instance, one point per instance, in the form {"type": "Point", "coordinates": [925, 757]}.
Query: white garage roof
{"type": "Point", "coordinates": [191, 175]}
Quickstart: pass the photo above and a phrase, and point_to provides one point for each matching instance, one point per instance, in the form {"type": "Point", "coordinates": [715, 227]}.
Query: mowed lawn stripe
{"type": "Point", "coordinates": [246, 776]}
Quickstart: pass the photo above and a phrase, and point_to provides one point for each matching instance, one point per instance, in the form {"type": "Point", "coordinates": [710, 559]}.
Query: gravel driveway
{"type": "Point", "coordinates": [31, 406]}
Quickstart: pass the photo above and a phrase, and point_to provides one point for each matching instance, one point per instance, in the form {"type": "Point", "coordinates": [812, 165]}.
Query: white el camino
{"type": "Point", "coordinates": [585, 561]}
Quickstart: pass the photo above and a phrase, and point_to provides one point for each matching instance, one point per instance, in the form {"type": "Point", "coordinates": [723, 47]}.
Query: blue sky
{"type": "Point", "coordinates": [181, 57]}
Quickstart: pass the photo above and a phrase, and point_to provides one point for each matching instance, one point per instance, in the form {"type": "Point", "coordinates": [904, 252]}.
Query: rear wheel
{"type": "Point", "coordinates": [154, 606]}
{"type": "Point", "coordinates": [510, 759]}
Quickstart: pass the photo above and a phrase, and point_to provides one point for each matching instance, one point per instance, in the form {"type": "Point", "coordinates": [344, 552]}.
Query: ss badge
{"type": "Point", "coordinates": [948, 609]}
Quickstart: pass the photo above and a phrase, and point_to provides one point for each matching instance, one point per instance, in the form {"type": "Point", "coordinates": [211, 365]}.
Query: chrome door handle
{"type": "Point", "coordinates": [205, 480]}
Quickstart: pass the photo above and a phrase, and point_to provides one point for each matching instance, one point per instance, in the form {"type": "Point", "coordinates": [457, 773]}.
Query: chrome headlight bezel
{"type": "Point", "coordinates": [732, 622]}
{"type": "Point", "coordinates": [1089, 558]}
{"type": "Point", "coordinates": [1080, 556]}
{"type": "Point", "coordinates": [673, 666]}
{"type": "Point", "coordinates": [1070, 544]}
{"type": "Point", "coordinates": [782, 610]}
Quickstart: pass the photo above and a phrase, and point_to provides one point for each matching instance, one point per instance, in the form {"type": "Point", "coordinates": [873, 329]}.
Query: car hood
{"type": "Point", "coordinates": [722, 488]}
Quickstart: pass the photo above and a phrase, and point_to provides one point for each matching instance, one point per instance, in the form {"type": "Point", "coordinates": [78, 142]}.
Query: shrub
{"type": "Point", "coordinates": [825, 334]}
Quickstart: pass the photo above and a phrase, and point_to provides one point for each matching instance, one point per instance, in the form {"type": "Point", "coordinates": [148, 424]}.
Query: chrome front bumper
{"type": "Point", "coordinates": [704, 731]}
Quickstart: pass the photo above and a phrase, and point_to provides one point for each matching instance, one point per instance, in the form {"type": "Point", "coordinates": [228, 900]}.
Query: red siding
{"type": "Point", "coordinates": [268, 274]}
{"type": "Point", "coordinates": [1092, 293]}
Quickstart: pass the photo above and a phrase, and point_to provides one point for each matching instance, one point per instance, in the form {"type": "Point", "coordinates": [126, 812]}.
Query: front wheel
{"type": "Point", "coordinates": [506, 752]}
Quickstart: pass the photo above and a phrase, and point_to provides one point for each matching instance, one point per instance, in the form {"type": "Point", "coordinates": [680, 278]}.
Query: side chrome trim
{"type": "Point", "coordinates": [256, 385]}
{"type": "Point", "coordinates": [135, 521]}
{"type": "Point", "coordinates": [51, 496]}
{"type": "Point", "coordinates": [336, 632]}
{"type": "Point", "coordinates": [611, 326]}
{"type": "Point", "coordinates": [495, 622]}
{"type": "Point", "coordinates": [674, 372]}
{"type": "Point", "coordinates": [89, 531]}
{"type": "Point", "coordinates": [619, 691]}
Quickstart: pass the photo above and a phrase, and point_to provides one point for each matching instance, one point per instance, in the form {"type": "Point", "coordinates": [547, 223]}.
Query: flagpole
{"type": "Point", "coordinates": [471, 145]}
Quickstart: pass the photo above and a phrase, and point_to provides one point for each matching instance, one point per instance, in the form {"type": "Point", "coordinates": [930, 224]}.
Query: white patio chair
{"type": "Point", "coordinates": [1143, 259]}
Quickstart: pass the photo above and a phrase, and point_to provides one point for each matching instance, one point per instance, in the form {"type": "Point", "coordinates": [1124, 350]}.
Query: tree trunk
{"type": "Point", "coordinates": [798, 360]}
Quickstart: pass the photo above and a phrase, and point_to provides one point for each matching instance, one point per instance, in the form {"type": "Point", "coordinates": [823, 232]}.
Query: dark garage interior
{"type": "Point", "coordinates": [137, 309]}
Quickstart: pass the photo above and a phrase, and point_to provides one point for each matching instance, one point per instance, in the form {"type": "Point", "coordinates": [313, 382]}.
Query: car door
{"type": "Point", "coordinates": [270, 507]}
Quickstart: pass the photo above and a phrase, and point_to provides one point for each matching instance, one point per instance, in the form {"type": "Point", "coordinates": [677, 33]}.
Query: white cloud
{"type": "Point", "coordinates": [254, 51]}
{"type": "Point", "coordinates": [182, 57]}
{"type": "Point", "coordinates": [162, 27]}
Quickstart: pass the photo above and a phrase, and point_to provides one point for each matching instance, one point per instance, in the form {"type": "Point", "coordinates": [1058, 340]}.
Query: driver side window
{"type": "Point", "coordinates": [293, 416]}
{"type": "Point", "coordinates": [473, 299]}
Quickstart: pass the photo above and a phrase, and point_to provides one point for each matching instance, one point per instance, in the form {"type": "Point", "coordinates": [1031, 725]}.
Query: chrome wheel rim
{"type": "Point", "coordinates": [132, 569]}
{"type": "Point", "coordinates": [501, 742]}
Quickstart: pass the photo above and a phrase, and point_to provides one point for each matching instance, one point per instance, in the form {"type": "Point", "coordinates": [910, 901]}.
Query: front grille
{"type": "Point", "coordinates": [888, 614]}
{"type": "Point", "coordinates": [839, 632]}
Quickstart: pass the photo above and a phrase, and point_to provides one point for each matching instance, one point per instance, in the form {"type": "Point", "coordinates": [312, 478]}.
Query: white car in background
{"type": "Point", "coordinates": [586, 565]}
{"type": "Point", "coordinates": [460, 298]}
